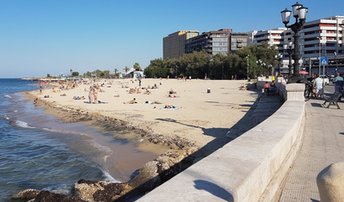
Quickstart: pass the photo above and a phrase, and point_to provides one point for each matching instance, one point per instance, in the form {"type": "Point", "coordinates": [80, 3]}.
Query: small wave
{"type": "Point", "coordinates": [108, 177]}
{"type": "Point", "coordinates": [8, 96]}
{"type": "Point", "coordinates": [4, 116]}
{"type": "Point", "coordinates": [21, 124]}
{"type": "Point", "coordinates": [59, 189]}
{"type": "Point", "coordinates": [64, 131]}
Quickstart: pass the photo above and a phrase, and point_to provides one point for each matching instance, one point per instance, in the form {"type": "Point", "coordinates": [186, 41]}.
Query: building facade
{"type": "Point", "coordinates": [273, 37]}
{"type": "Point", "coordinates": [212, 42]}
{"type": "Point", "coordinates": [323, 38]}
{"type": "Point", "coordinates": [174, 44]}
{"type": "Point", "coordinates": [318, 38]}
{"type": "Point", "coordinates": [238, 40]}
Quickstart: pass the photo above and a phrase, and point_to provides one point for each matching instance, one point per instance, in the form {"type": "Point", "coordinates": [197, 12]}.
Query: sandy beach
{"type": "Point", "coordinates": [184, 119]}
{"type": "Point", "coordinates": [199, 110]}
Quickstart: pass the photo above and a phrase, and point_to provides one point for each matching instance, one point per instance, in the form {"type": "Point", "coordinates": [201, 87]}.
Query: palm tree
{"type": "Point", "coordinates": [126, 69]}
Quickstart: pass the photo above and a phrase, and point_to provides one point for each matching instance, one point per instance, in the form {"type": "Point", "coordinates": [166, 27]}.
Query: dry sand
{"type": "Point", "coordinates": [198, 116]}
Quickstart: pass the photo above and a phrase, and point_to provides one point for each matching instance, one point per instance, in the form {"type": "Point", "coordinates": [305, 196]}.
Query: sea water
{"type": "Point", "coordinates": [39, 151]}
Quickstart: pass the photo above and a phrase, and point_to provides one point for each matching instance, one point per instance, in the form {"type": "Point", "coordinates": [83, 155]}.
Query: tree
{"type": "Point", "coordinates": [156, 68]}
{"type": "Point", "coordinates": [75, 74]}
{"type": "Point", "coordinates": [260, 59]}
{"type": "Point", "coordinates": [220, 66]}
{"type": "Point", "coordinates": [126, 69]}
{"type": "Point", "coordinates": [137, 67]}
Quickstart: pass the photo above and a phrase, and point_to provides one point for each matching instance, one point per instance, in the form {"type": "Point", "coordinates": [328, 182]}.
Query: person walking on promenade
{"type": "Point", "coordinates": [319, 86]}
{"type": "Point", "coordinates": [338, 83]}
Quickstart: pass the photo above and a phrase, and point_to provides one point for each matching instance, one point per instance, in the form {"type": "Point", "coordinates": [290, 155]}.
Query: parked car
{"type": "Point", "coordinates": [326, 79]}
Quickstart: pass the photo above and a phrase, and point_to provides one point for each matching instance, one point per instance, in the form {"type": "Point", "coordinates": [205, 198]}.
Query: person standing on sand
{"type": "Point", "coordinates": [95, 96]}
{"type": "Point", "coordinates": [90, 95]}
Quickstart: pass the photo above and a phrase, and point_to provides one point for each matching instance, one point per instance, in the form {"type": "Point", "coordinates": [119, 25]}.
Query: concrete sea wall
{"type": "Point", "coordinates": [251, 167]}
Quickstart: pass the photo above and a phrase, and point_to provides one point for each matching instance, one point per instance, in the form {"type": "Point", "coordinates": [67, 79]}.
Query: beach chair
{"type": "Point", "coordinates": [332, 100]}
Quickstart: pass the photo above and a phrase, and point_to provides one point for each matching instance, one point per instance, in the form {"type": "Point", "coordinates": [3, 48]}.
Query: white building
{"type": "Point", "coordinates": [274, 37]}
{"type": "Point", "coordinates": [318, 38]}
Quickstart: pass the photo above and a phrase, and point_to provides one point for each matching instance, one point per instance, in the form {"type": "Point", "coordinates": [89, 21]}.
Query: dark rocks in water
{"type": "Point", "coordinates": [100, 190]}
{"type": "Point", "coordinates": [35, 195]}
{"type": "Point", "coordinates": [26, 194]}
{"type": "Point", "coordinates": [111, 192]}
{"type": "Point", "coordinates": [46, 196]}
{"type": "Point", "coordinates": [148, 172]}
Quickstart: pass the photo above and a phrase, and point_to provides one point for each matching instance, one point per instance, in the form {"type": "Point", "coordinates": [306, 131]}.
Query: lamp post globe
{"type": "Point", "coordinates": [295, 9]}
{"type": "Point", "coordinates": [285, 14]}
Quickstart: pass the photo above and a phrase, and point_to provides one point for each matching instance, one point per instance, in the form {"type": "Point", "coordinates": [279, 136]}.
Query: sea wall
{"type": "Point", "coordinates": [249, 168]}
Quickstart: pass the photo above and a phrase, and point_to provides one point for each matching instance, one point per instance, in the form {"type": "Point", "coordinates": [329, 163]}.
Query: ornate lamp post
{"type": "Point", "coordinates": [289, 48]}
{"type": "Point", "coordinates": [279, 58]}
{"type": "Point", "coordinates": [299, 13]}
{"type": "Point", "coordinates": [247, 67]}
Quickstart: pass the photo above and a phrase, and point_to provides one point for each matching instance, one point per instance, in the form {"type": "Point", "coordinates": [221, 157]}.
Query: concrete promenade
{"type": "Point", "coordinates": [323, 144]}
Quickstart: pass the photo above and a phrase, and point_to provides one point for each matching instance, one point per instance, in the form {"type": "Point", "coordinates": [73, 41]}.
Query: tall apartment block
{"type": "Point", "coordinates": [174, 44]}
{"type": "Point", "coordinates": [239, 40]}
{"type": "Point", "coordinates": [273, 37]}
{"type": "Point", "coordinates": [318, 38]}
{"type": "Point", "coordinates": [323, 37]}
{"type": "Point", "coordinates": [212, 42]}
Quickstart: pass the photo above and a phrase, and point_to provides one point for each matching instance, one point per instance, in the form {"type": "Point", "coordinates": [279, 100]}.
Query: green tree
{"type": "Point", "coordinates": [157, 68]}
{"type": "Point", "coordinates": [137, 66]}
{"type": "Point", "coordinates": [259, 58]}
{"type": "Point", "coordinates": [75, 74]}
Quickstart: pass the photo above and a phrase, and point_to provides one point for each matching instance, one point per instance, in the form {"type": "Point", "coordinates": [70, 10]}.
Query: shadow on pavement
{"type": "Point", "coordinates": [316, 105]}
{"type": "Point", "coordinates": [214, 189]}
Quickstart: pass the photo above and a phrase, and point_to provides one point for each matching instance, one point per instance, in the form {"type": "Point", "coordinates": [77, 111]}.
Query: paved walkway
{"type": "Point", "coordinates": [323, 144]}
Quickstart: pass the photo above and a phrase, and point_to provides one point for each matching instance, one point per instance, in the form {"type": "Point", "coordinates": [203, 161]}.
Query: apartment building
{"type": "Point", "coordinates": [323, 37]}
{"type": "Point", "coordinates": [318, 38]}
{"type": "Point", "coordinates": [174, 44]}
{"type": "Point", "coordinates": [273, 37]}
{"type": "Point", "coordinates": [212, 42]}
{"type": "Point", "coordinates": [238, 40]}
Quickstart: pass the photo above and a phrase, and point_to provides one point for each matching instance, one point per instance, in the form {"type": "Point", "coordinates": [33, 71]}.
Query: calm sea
{"type": "Point", "coordinates": [39, 151]}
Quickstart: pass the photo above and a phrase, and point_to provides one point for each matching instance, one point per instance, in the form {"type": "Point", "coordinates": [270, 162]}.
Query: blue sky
{"type": "Point", "coordinates": [38, 37]}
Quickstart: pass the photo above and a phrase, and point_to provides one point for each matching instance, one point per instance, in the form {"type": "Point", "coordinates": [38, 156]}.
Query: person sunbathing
{"type": "Point", "coordinates": [133, 101]}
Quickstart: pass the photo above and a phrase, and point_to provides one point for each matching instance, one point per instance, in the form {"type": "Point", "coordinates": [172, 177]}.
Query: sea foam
{"type": "Point", "coordinates": [22, 124]}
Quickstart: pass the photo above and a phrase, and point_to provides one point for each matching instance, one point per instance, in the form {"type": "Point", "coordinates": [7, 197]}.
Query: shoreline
{"type": "Point", "coordinates": [182, 152]}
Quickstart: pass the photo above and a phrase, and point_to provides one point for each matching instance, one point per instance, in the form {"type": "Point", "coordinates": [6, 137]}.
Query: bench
{"type": "Point", "coordinates": [332, 100]}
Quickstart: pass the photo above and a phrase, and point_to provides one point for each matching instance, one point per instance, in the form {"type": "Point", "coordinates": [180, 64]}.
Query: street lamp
{"type": "Point", "coordinates": [335, 59]}
{"type": "Point", "coordinates": [279, 59]}
{"type": "Point", "coordinates": [299, 13]}
{"type": "Point", "coordinates": [289, 48]}
{"type": "Point", "coordinates": [247, 67]}
{"type": "Point", "coordinates": [265, 66]}
{"type": "Point", "coordinates": [320, 51]}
